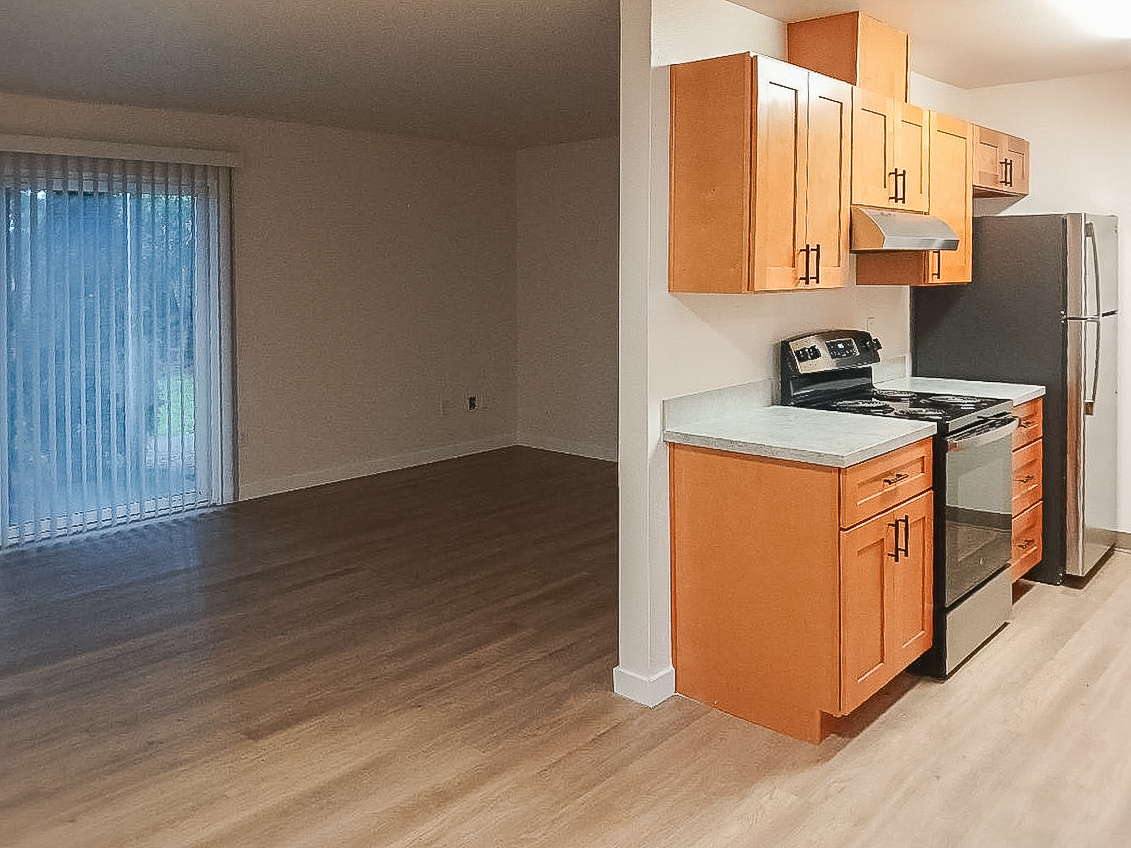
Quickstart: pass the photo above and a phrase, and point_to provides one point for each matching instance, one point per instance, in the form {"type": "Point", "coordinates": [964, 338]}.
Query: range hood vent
{"type": "Point", "coordinates": [885, 229]}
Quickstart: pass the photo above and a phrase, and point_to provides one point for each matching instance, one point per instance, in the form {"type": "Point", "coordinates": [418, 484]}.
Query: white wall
{"type": "Point", "coordinates": [374, 278]}
{"type": "Point", "coordinates": [690, 342]}
{"type": "Point", "coordinates": [567, 297]}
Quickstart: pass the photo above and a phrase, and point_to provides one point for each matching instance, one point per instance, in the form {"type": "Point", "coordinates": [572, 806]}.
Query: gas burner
{"type": "Point", "coordinates": [955, 400]}
{"type": "Point", "coordinates": [861, 405]}
{"type": "Point", "coordinates": [923, 413]}
{"type": "Point", "coordinates": [892, 394]}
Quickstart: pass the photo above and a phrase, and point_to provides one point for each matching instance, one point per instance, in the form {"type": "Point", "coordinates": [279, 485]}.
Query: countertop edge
{"type": "Point", "coordinates": [797, 454]}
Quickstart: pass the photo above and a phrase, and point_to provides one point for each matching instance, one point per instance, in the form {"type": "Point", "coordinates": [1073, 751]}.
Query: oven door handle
{"type": "Point", "coordinates": [983, 434]}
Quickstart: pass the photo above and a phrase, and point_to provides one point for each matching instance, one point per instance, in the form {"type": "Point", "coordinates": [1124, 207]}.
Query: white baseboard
{"type": "Point", "coordinates": [273, 486]}
{"type": "Point", "coordinates": [646, 690]}
{"type": "Point", "coordinates": [586, 449]}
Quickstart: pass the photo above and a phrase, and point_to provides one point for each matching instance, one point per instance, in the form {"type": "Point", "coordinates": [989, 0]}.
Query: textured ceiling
{"type": "Point", "coordinates": [500, 72]}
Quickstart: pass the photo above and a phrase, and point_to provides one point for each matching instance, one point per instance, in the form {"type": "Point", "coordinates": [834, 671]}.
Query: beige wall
{"type": "Point", "coordinates": [567, 297]}
{"type": "Point", "coordinates": [374, 279]}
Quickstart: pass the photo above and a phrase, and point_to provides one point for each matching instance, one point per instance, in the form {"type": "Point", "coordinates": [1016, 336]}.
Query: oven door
{"type": "Point", "coordinates": [979, 493]}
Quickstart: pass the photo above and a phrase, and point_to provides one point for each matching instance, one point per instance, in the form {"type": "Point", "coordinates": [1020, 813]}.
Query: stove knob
{"type": "Point", "coordinates": [802, 354]}
{"type": "Point", "coordinates": [876, 344]}
{"type": "Point", "coordinates": [814, 352]}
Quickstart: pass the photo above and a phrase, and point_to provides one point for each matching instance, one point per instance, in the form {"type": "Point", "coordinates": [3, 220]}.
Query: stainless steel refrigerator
{"type": "Point", "coordinates": [1042, 309]}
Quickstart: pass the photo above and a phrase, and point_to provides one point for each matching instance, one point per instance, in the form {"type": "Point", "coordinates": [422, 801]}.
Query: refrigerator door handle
{"type": "Point", "coordinates": [1090, 401]}
{"type": "Point", "coordinates": [1090, 236]}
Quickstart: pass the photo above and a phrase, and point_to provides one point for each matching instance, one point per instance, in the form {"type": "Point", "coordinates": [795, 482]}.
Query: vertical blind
{"type": "Point", "coordinates": [114, 312]}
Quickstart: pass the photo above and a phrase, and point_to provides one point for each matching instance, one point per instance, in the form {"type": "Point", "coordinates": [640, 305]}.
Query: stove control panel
{"type": "Point", "coordinates": [829, 350]}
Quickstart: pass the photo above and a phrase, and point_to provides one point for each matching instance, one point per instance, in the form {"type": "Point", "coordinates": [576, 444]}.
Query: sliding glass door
{"type": "Point", "coordinates": [114, 313]}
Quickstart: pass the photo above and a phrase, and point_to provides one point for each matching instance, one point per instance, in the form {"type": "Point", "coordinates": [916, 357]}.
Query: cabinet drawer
{"type": "Point", "coordinates": [871, 487]}
{"type": "Point", "coordinates": [1027, 485]}
{"type": "Point", "coordinates": [1029, 427]}
{"type": "Point", "coordinates": [1027, 545]}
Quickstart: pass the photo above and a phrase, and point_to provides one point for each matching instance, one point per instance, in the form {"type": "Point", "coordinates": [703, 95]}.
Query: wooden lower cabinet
{"type": "Point", "coordinates": [1028, 488]}
{"type": "Point", "coordinates": [783, 613]}
{"type": "Point", "coordinates": [885, 606]}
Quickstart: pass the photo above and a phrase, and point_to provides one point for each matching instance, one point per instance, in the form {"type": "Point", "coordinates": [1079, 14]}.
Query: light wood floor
{"type": "Point", "coordinates": [424, 658]}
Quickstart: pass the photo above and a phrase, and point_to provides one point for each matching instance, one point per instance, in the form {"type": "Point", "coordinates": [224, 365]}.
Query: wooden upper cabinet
{"type": "Point", "coordinates": [760, 177]}
{"type": "Point", "coordinates": [950, 178]}
{"type": "Point", "coordinates": [855, 48]}
{"type": "Point", "coordinates": [890, 153]}
{"type": "Point", "coordinates": [1001, 164]}
{"type": "Point", "coordinates": [709, 195]}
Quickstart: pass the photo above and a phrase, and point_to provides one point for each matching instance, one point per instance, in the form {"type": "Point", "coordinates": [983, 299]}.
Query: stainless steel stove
{"type": "Point", "coordinates": [973, 480]}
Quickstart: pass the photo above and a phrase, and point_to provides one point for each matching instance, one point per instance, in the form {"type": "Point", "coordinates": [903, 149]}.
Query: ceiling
{"type": "Point", "coordinates": [512, 73]}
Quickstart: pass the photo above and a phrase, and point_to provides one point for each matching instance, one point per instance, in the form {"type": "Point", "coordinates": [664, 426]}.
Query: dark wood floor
{"type": "Point", "coordinates": [424, 658]}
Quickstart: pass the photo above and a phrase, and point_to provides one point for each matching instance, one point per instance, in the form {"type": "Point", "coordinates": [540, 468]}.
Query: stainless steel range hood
{"type": "Point", "coordinates": [886, 229]}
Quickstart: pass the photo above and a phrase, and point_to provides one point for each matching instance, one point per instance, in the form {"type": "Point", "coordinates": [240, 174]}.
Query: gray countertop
{"type": "Point", "coordinates": [838, 439]}
{"type": "Point", "coordinates": [738, 419]}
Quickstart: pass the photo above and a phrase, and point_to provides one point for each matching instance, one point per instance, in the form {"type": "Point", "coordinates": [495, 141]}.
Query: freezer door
{"type": "Point", "coordinates": [1093, 265]}
{"type": "Point", "coordinates": [1091, 443]}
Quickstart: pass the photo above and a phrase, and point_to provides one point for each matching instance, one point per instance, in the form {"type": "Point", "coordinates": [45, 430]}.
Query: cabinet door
{"type": "Point", "coordinates": [873, 149]}
{"type": "Point", "coordinates": [912, 156]}
{"type": "Point", "coordinates": [886, 579]}
{"type": "Point", "coordinates": [951, 170]}
{"type": "Point", "coordinates": [1017, 155]}
{"type": "Point", "coordinates": [988, 152]}
{"type": "Point", "coordinates": [781, 127]}
{"type": "Point", "coordinates": [828, 179]}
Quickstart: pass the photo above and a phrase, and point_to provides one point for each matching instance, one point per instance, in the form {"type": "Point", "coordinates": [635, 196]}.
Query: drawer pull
{"type": "Point", "coordinates": [1026, 478]}
{"type": "Point", "coordinates": [1028, 543]}
{"type": "Point", "coordinates": [1028, 424]}
{"type": "Point", "coordinates": [891, 481]}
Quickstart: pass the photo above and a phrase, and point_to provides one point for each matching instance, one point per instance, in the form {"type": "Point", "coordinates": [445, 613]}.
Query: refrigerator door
{"type": "Point", "coordinates": [1092, 265]}
{"type": "Point", "coordinates": [1092, 429]}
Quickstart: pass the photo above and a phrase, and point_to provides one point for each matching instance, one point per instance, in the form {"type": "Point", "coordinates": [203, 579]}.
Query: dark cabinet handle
{"type": "Point", "coordinates": [1006, 172]}
{"type": "Point", "coordinates": [818, 280]}
{"type": "Point", "coordinates": [806, 277]}
{"type": "Point", "coordinates": [937, 273]}
{"type": "Point", "coordinates": [894, 196]}
{"type": "Point", "coordinates": [1026, 478]}
{"type": "Point", "coordinates": [903, 548]}
{"type": "Point", "coordinates": [1027, 425]}
{"type": "Point", "coordinates": [1028, 543]}
{"type": "Point", "coordinates": [891, 481]}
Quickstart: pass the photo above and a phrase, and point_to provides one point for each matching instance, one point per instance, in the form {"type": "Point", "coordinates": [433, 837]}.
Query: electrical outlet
{"type": "Point", "coordinates": [472, 403]}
